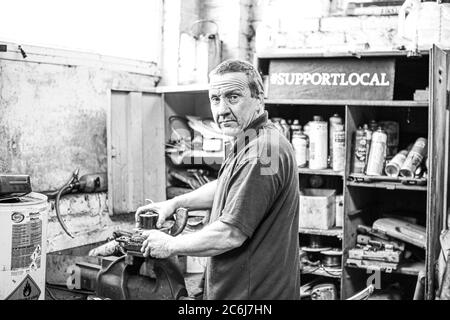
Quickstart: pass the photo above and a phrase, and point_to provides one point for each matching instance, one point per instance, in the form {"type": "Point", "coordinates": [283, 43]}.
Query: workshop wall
{"type": "Point", "coordinates": [54, 107]}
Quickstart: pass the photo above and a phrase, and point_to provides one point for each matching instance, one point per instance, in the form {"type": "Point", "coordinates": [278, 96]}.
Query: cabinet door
{"type": "Point", "coordinates": [136, 163]}
{"type": "Point", "coordinates": [436, 166]}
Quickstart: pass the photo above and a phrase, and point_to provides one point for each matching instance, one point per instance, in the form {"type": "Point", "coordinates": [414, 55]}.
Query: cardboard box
{"type": "Point", "coordinates": [317, 208]}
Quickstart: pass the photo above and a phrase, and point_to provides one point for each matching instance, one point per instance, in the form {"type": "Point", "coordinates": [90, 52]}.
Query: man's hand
{"type": "Point", "coordinates": [157, 244]}
{"type": "Point", "coordinates": [164, 210]}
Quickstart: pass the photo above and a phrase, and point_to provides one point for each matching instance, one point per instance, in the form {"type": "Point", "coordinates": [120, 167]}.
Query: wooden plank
{"type": "Point", "coordinates": [335, 232]}
{"type": "Point", "coordinates": [326, 172]}
{"type": "Point", "coordinates": [135, 159]}
{"type": "Point", "coordinates": [118, 178]}
{"type": "Point", "coordinates": [437, 126]}
{"type": "Point", "coordinates": [153, 137]}
{"type": "Point", "coordinates": [370, 103]}
{"type": "Point", "coordinates": [296, 54]}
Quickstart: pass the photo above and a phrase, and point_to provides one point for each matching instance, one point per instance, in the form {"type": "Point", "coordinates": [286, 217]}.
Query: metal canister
{"type": "Point", "coordinates": [300, 143]}
{"type": "Point", "coordinates": [295, 127]}
{"type": "Point", "coordinates": [334, 121]}
{"type": "Point", "coordinates": [360, 151]}
{"type": "Point", "coordinates": [338, 149]}
{"type": "Point", "coordinates": [392, 129]}
{"type": "Point", "coordinates": [415, 158]}
{"type": "Point", "coordinates": [377, 154]}
{"type": "Point", "coordinates": [318, 144]}
{"type": "Point", "coordinates": [393, 167]}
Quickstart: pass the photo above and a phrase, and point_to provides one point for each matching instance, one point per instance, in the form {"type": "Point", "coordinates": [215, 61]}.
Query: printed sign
{"type": "Point", "coordinates": [332, 78]}
{"type": "Point", "coordinates": [27, 290]}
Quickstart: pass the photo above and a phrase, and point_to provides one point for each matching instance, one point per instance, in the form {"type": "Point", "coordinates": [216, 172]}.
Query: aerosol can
{"type": "Point", "coordinates": [368, 133]}
{"type": "Point", "coordinates": [318, 144]}
{"type": "Point", "coordinates": [360, 151]}
{"type": "Point", "coordinates": [300, 142]}
{"type": "Point", "coordinates": [286, 129]}
{"type": "Point", "coordinates": [334, 121]}
{"type": "Point", "coordinates": [393, 167]}
{"type": "Point", "coordinates": [415, 158]}
{"type": "Point", "coordinates": [338, 148]}
{"type": "Point", "coordinates": [295, 127]}
{"type": "Point", "coordinates": [377, 154]}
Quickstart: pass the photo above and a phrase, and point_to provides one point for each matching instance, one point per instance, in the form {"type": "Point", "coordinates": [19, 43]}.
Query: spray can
{"type": "Point", "coordinates": [300, 142]}
{"type": "Point", "coordinates": [338, 143]}
{"type": "Point", "coordinates": [368, 133]}
{"type": "Point", "coordinates": [318, 144]}
{"type": "Point", "coordinates": [392, 129]}
{"type": "Point", "coordinates": [393, 167]}
{"type": "Point", "coordinates": [334, 121]}
{"type": "Point", "coordinates": [295, 126]}
{"type": "Point", "coordinates": [360, 151]}
{"type": "Point", "coordinates": [415, 158]}
{"type": "Point", "coordinates": [377, 154]}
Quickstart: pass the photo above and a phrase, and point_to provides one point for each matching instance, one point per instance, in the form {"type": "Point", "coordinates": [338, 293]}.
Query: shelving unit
{"type": "Point", "coordinates": [365, 201]}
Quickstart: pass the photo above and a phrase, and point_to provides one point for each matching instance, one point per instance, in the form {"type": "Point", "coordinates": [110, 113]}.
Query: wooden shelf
{"type": "Point", "coordinates": [370, 103]}
{"type": "Point", "coordinates": [386, 185]}
{"type": "Point", "coordinates": [407, 268]}
{"type": "Point", "coordinates": [324, 172]}
{"type": "Point", "coordinates": [335, 232]}
{"type": "Point", "coordinates": [191, 88]}
{"type": "Point", "coordinates": [320, 271]}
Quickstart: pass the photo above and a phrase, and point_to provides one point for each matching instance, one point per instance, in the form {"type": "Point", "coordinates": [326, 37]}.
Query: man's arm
{"type": "Point", "coordinates": [214, 239]}
{"type": "Point", "coordinates": [202, 198]}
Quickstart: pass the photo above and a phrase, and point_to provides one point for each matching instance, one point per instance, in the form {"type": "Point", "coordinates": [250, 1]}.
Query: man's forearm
{"type": "Point", "coordinates": [212, 240]}
{"type": "Point", "coordinates": [199, 199]}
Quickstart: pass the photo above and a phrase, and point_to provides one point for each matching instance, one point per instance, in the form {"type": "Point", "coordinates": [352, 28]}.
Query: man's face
{"type": "Point", "coordinates": [232, 105]}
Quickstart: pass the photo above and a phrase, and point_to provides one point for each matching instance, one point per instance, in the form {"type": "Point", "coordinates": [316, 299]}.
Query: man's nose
{"type": "Point", "coordinates": [224, 109]}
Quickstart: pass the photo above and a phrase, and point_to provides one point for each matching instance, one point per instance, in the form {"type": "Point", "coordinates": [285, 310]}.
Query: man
{"type": "Point", "coordinates": [252, 237]}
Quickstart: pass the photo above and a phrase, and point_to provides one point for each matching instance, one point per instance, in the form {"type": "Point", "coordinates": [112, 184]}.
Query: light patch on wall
{"type": "Point", "coordinates": [121, 28]}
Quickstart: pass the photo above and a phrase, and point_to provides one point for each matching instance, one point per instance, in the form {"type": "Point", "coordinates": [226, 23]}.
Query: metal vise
{"type": "Point", "coordinates": [132, 276]}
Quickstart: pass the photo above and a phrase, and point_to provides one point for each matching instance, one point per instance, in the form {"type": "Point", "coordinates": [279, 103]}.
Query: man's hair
{"type": "Point", "coordinates": [255, 82]}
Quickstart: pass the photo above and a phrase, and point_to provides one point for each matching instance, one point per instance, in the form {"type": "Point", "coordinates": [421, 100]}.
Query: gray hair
{"type": "Point", "coordinates": [255, 82]}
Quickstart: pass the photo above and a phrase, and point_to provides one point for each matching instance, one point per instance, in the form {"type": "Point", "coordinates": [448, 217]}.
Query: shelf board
{"type": "Point", "coordinates": [321, 272]}
{"type": "Point", "coordinates": [371, 103]}
{"type": "Point", "coordinates": [386, 185]}
{"type": "Point", "coordinates": [191, 88]}
{"type": "Point", "coordinates": [335, 232]}
{"type": "Point", "coordinates": [407, 268]}
{"type": "Point", "coordinates": [324, 172]}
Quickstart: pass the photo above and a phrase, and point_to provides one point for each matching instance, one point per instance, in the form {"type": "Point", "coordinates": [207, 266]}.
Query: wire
{"type": "Point", "coordinates": [50, 293]}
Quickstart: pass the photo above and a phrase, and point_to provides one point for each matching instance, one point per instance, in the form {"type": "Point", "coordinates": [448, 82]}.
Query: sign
{"type": "Point", "coordinates": [332, 78]}
{"type": "Point", "coordinates": [27, 290]}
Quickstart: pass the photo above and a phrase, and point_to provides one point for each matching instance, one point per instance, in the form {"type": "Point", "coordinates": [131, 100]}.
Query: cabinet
{"type": "Point", "coordinates": [138, 128]}
{"type": "Point", "coordinates": [365, 202]}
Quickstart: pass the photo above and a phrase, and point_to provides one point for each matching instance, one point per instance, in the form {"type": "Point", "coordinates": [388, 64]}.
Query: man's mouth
{"type": "Point", "coordinates": [227, 122]}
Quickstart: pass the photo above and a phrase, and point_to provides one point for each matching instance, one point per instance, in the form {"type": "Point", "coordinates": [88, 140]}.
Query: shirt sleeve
{"type": "Point", "coordinates": [250, 195]}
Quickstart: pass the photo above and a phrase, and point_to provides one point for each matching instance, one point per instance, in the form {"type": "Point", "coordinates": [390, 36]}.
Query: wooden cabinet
{"type": "Point", "coordinates": [366, 202]}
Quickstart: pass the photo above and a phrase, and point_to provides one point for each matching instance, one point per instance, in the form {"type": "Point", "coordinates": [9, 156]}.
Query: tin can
{"type": "Point", "coordinates": [415, 158]}
{"type": "Point", "coordinates": [338, 143]}
{"type": "Point", "coordinates": [318, 144]}
{"type": "Point", "coordinates": [377, 154]}
{"type": "Point", "coordinates": [393, 167]}
{"type": "Point", "coordinates": [334, 121]}
{"type": "Point", "coordinates": [360, 151]}
{"type": "Point", "coordinates": [300, 143]}
{"type": "Point", "coordinates": [392, 130]}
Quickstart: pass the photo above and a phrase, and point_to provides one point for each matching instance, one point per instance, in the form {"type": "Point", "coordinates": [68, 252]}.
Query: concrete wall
{"type": "Point", "coordinates": [53, 119]}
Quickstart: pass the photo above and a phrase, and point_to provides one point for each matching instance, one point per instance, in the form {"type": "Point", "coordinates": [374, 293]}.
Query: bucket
{"type": "Point", "coordinates": [23, 247]}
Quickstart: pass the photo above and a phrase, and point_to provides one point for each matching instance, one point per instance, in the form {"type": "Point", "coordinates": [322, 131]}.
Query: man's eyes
{"type": "Point", "coordinates": [232, 98]}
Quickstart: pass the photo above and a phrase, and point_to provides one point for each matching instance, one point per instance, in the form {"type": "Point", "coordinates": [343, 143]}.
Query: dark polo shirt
{"type": "Point", "coordinates": [258, 193]}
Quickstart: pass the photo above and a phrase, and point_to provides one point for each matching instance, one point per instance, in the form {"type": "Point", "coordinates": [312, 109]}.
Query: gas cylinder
{"type": "Point", "coordinates": [318, 144]}
{"type": "Point", "coordinates": [23, 247]}
{"type": "Point", "coordinates": [377, 154]}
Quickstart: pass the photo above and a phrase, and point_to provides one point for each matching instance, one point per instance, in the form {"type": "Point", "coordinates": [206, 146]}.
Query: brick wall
{"type": "Point", "coordinates": [309, 25]}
